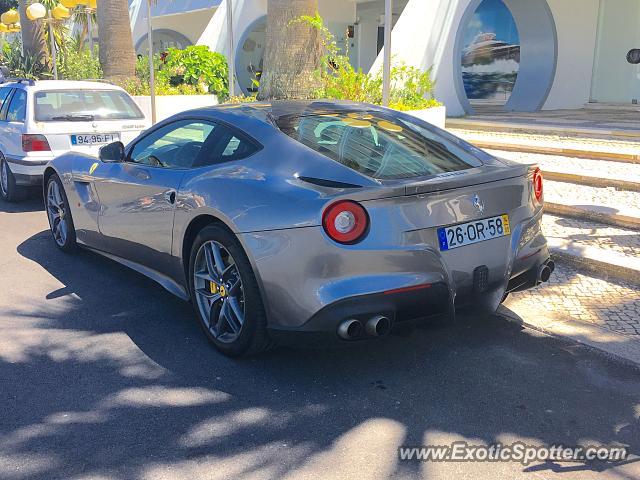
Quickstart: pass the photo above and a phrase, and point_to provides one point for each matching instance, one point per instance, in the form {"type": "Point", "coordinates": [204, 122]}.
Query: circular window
{"type": "Point", "coordinates": [162, 40]}
{"type": "Point", "coordinates": [250, 56]}
{"type": "Point", "coordinates": [491, 54]}
{"type": "Point", "coordinates": [505, 55]}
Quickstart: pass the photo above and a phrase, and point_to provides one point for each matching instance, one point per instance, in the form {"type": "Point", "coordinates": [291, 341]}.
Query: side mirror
{"type": "Point", "coordinates": [112, 153]}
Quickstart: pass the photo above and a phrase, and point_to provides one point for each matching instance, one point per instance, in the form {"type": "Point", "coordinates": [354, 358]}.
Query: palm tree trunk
{"type": "Point", "coordinates": [117, 55]}
{"type": "Point", "coordinates": [292, 51]}
{"type": "Point", "coordinates": [33, 39]}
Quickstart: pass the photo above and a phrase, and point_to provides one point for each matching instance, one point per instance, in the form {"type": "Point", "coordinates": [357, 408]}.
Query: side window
{"type": "Point", "coordinates": [4, 93]}
{"type": "Point", "coordinates": [177, 145]}
{"type": "Point", "coordinates": [5, 106]}
{"type": "Point", "coordinates": [18, 107]}
{"type": "Point", "coordinates": [237, 149]}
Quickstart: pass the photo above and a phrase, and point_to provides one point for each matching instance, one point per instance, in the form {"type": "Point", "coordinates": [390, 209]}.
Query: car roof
{"type": "Point", "coordinates": [278, 109]}
{"type": "Point", "coordinates": [40, 85]}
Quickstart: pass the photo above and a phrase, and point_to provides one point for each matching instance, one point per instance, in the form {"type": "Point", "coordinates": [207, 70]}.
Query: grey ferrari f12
{"type": "Point", "coordinates": [309, 217]}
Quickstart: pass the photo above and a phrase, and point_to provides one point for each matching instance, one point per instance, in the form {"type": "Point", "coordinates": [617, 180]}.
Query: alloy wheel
{"type": "Point", "coordinates": [57, 212]}
{"type": "Point", "coordinates": [219, 292]}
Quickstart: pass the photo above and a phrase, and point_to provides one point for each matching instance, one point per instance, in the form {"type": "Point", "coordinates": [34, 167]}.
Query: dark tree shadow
{"type": "Point", "coordinates": [109, 375]}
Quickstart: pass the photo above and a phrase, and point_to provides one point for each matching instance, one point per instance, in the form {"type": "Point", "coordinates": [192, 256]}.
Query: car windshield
{"type": "Point", "coordinates": [381, 147]}
{"type": "Point", "coordinates": [85, 105]}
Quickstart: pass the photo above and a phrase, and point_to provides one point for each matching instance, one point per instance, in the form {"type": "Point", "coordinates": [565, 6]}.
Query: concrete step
{"type": "Point", "coordinates": [594, 173]}
{"type": "Point", "coordinates": [601, 205]}
{"type": "Point", "coordinates": [552, 127]}
{"type": "Point", "coordinates": [587, 148]}
{"type": "Point", "coordinates": [595, 247]}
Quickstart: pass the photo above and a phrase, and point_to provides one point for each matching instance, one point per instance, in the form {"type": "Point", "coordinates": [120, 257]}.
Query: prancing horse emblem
{"type": "Point", "coordinates": [479, 204]}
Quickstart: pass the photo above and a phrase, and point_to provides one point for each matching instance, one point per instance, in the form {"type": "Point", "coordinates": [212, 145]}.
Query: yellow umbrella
{"type": "Point", "coordinates": [68, 3]}
{"type": "Point", "coordinates": [93, 3]}
{"type": "Point", "coordinates": [9, 17]}
{"type": "Point", "coordinates": [60, 12]}
{"type": "Point", "coordinates": [3, 28]}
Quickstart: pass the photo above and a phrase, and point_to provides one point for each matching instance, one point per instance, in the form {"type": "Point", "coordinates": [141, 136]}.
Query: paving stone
{"type": "Point", "coordinates": [577, 296]}
{"type": "Point", "coordinates": [591, 234]}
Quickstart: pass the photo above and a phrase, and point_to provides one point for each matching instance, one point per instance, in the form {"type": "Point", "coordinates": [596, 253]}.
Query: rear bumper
{"type": "Point", "coordinates": [27, 171]}
{"type": "Point", "coordinates": [310, 284]}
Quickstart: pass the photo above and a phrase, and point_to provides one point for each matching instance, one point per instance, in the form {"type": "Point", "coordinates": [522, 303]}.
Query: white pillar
{"type": "Point", "coordinates": [52, 38]}
{"type": "Point", "coordinates": [386, 64]}
{"type": "Point", "coordinates": [231, 55]}
{"type": "Point", "coordinates": [152, 73]}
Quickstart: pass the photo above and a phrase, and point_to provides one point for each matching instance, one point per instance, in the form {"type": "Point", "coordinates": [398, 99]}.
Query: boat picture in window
{"type": "Point", "coordinates": [491, 55]}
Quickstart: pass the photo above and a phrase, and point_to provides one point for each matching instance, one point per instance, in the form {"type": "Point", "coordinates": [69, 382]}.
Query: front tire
{"type": "Point", "coordinates": [59, 215]}
{"type": "Point", "coordinates": [225, 294]}
{"type": "Point", "coordinates": [9, 191]}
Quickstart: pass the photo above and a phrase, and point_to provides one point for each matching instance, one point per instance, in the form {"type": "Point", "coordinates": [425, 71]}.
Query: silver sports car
{"type": "Point", "coordinates": [306, 217]}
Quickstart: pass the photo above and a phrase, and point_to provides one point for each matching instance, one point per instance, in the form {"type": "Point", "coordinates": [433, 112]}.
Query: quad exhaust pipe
{"type": "Point", "coordinates": [350, 329]}
{"type": "Point", "coordinates": [377, 326]}
{"type": "Point", "coordinates": [545, 271]}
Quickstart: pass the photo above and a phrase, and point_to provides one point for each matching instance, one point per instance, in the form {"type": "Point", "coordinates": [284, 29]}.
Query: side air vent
{"type": "Point", "coordinates": [322, 182]}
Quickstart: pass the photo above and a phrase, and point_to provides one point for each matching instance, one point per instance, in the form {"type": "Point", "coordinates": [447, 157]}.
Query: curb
{"type": "Point", "coordinates": [597, 261]}
{"type": "Point", "coordinates": [590, 181]}
{"type": "Point", "coordinates": [614, 219]}
{"type": "Point", "coordinates": [506, 126]}
{"type": "Point", "coordinates": [620, 347]}
{"type": "Point", "coordinates": [565, 152]}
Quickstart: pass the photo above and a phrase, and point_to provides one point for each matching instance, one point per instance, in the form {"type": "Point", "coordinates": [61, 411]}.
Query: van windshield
{"type": "Point", "coordinates": [381, 147]}
{"type": "Point", "coordinates": [85, 105]}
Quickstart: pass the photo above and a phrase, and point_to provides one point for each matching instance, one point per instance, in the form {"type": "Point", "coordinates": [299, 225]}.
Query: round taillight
{"type": "Point", "coordinates": [345, 221]}
{"type": "Point", "coordinates": [537, 184]}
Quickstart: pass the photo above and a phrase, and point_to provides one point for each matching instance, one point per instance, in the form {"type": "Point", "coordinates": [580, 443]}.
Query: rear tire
{"type": "Point", "coordinates": [225, 294]}
{"type": "Point", "coordinates": [9, 191]}
{"type": "Point", "coordinates": [59, 215]}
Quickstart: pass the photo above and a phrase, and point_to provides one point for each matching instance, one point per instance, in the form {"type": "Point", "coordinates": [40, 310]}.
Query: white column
{"type": "Point", "coordinates": [231, 56]}
{"type": "Point", "coordinates": [52, 38]}
{"type": "Point", "coordinates": [386, 64]}
{"type": "Point", "coordinates": [152, 73]}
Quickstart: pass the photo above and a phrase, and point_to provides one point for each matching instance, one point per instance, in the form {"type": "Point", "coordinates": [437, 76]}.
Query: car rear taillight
{"type": "Point", "coordinates": [35, 143]}
{"type": "Point", "coordinates": [537, 184]}
{"type": "Point", "coordinates": [345, 221]}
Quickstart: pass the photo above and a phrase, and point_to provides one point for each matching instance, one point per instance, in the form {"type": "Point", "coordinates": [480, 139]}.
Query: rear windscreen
{"type": "Point", "coordinates": [69, 105]}
{"type": "Point", "coordinates": [379, 147]}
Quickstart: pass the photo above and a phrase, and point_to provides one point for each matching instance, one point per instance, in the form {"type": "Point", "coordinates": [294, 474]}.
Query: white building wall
{"type": "Point", "coordinates": [577, 26]}
{"type": "Point", "coordinates": [425, 36]}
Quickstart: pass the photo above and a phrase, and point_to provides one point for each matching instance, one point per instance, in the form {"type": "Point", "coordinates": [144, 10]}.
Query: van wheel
{"type": "Point", "coordinates": [9, 191]}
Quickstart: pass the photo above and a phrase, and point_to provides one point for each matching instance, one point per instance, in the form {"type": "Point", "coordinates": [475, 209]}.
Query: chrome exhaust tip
{"type": "Point", "coordinates": [552, 265]}
{"type": "Point", "coordinates": [544, 273]}
{"type": "Point", "coordinates": [350, 329]}
{"type": "Point", "coordinates": [378, 326]}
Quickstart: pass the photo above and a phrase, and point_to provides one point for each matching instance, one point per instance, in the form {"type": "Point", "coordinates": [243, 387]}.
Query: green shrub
{"type": "Point", "coordinates": [196, 67]}
{"type": "Point", "coordinates": [79, 65]}
{"type": "Point", "coordinates": [23, 66]}
{"type": "Point", "coordinates": [411, 88]}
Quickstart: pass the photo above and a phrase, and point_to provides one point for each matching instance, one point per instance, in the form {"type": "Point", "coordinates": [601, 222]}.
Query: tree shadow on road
{"type": "Point", "coordinates": [110, 376]}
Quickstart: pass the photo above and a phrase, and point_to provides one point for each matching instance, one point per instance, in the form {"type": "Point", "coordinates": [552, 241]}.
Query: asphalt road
{"type": "Point", "coordinates": [105, 375]}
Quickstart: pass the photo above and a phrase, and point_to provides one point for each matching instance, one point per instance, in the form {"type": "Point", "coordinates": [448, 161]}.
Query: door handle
{"type": "Point", "coordinates": [170, 196]}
